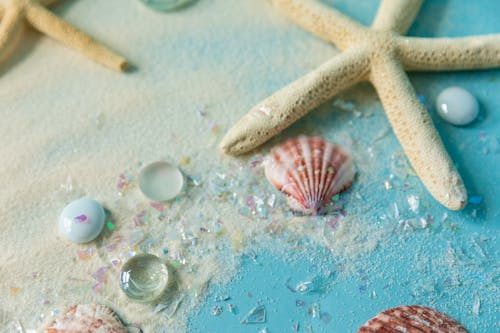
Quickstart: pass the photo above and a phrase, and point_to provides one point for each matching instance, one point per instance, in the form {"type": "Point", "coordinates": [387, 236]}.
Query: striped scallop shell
{"type": "Point", "coordinates": [411, 319]}
{"type": "Point", "coordinates": [310, 171]}
{"type": "Point", "coordinates": [86, 318]}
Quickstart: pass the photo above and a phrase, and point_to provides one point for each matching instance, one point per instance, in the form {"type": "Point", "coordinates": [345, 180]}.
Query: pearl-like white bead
{"type": "Point", "coordinates": [457, 106]}
{"type": "Point", "coordinates": [82, 220]}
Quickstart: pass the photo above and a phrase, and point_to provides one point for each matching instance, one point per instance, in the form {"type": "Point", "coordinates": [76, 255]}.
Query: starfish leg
{"type": "Point", "coordinates": [46, 22]}
{"type": "Point", "coordinates": [284, 107]}
{"type": "Point", "coordinates": [321, 20]}
{"type": "Point", "coordinates": [436, 54]}
{"type": "Point", "coordinates": [396, 15]}
{"type": "Point", "coordinates": [414, 129]}
{"type": "Point", "coordinates": [10, 29]}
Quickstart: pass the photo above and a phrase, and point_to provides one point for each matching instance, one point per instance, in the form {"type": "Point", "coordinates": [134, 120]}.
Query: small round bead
{"type": "Point", "coordinates": [82, 220]}
{"type": "Point", "coordinates": [160, 181]}
{"type": "Point", "coordinates": [457, 106]}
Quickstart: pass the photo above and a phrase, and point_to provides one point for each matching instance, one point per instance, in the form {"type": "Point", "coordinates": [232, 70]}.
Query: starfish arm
{"type": "Point", "coordinates": [10, 29]}
{"type": "Point", "coordinates": [283, 108]}
{"type": "Point", "coordinates": [396, 15]}
{"type": "Point", "coordinates": [323, 21]}
{"type": "Point", "coordinates": [51, 25]}
{"type": "Point", "coordinates": [437, 54]}
{"type": "Point", "coordinates": [414, 129]}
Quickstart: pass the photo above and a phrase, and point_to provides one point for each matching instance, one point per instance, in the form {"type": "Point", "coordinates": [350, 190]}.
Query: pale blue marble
{"type": "Point", "coordinates": [82, 220]}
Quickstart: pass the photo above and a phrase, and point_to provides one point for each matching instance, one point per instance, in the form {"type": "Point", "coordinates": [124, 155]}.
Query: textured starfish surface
{"type": "Point", "coordinates": [14, 15]}
{"type": "Point", "coordinates": [379, 54]}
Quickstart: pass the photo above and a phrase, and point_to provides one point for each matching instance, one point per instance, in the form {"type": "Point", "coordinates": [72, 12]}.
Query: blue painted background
{"type": "Point", "coordinates": [448, 266]}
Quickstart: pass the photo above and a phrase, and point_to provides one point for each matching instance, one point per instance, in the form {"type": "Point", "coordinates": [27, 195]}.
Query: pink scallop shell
{"type": "Point", "coordinates": [86, 318]}
{"type": "Point", "coordinates": [411, 319]}
{"type": "Point", "coordinates": [310, 171]}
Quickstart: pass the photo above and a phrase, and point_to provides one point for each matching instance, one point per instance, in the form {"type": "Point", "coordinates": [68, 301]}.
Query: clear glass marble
{"type": "Point", "coordinates": [144, 278]}
{"type": "Point", "coordinates": [166, 5]}
{"type": "Point", "coordinates": [161, 181]}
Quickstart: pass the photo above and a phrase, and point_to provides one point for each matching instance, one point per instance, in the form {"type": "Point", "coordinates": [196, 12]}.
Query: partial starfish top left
{"type": "Point", "coordinates": [14, 13]}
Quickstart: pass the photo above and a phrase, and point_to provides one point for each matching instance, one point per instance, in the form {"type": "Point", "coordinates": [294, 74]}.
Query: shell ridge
{"type": "Point", "coordinates": [318, 167]}
{"type": "Point", "coordinates": [332, 179]}
{"type": "Point", "coordinates": [273, 170]}
{"type": "Point", "coordinates": [341, 180]}
{"type": "Point", "coordinates": [295, 174]}
{"type": "Point", "coordinates": [396, 320]}
{"type": "Point", "coordinates": [327, 156]}
{"type": "Point", "coordinates": [302, 171]}
{"type": "Point", "coordinates": [307, 157]}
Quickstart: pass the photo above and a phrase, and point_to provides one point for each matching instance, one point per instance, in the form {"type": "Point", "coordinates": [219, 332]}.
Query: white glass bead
{"type": "Point", "coordinates": [457, 106]}
{"type": "Point", "coordinates": [160, 181]}
{"type": "Point", "coordinates": [82, 220]}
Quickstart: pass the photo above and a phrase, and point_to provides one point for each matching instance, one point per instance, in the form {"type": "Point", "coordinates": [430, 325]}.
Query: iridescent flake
{"type": "Point", "coordinates": [256, 316]}
{"type": "Point", "coordinates": [314, 310]}
{"type": "Point", "coordinates": [232, 308]}
{"type": "Point", "coordinates": [305, 287]}
{"type": "Point", "coordinates": [82, 219]}
{"type": "Point", "coordinates": [216, 310]}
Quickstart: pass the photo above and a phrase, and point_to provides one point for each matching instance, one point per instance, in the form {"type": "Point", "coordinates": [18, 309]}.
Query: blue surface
{"type": "Point", "coordinates": [449, 266]}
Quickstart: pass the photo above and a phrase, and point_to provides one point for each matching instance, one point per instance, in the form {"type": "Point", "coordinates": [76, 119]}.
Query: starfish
{"type": "Point", "coordinates": [380, 54]}
{"type": "Point", "coordinates": [14, 13]}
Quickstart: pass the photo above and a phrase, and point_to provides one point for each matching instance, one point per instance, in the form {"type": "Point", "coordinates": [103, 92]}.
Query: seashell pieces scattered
{"type": "Point", "coordinates": [310, 171]}
{"type": "Point", "coordinates": [86, 318]}
{"type": "Point", "coordinates": [411, 319]}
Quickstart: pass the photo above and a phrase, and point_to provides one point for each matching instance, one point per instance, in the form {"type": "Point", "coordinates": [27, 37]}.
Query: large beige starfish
{"type": "Point", "coordinates": [379, 54]}
{"type": "Point", "coordinates": [15, 13]}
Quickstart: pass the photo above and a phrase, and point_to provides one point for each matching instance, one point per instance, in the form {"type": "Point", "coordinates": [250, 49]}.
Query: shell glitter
{"type": "Point", "coordinates": [310, 171]}
{"type": "Point", "coordinates": [411, 319]}
{"type": "Point", "coordinates": [86, 318]}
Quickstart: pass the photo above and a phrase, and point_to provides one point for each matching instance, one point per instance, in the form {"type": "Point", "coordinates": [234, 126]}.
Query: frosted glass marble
{"type": "Point", "coordinates": [457, 106]}
{"type": "Point", "coordinates": [165, 5]}
{"type": "Point", "coordinates": [82, 220]}
{"type": "Point", "coordinates": [161, 181]}
{"type": "Point", "coordinates": [144, 278]}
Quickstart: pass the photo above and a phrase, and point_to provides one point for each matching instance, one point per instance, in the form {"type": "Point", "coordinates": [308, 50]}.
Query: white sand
{"type": "Point", "coordinates": [68, 122]}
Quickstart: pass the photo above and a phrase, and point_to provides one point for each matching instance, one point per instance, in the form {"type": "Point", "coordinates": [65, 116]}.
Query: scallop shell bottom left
{"type": "Point", "coordinates": [86, 318]}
